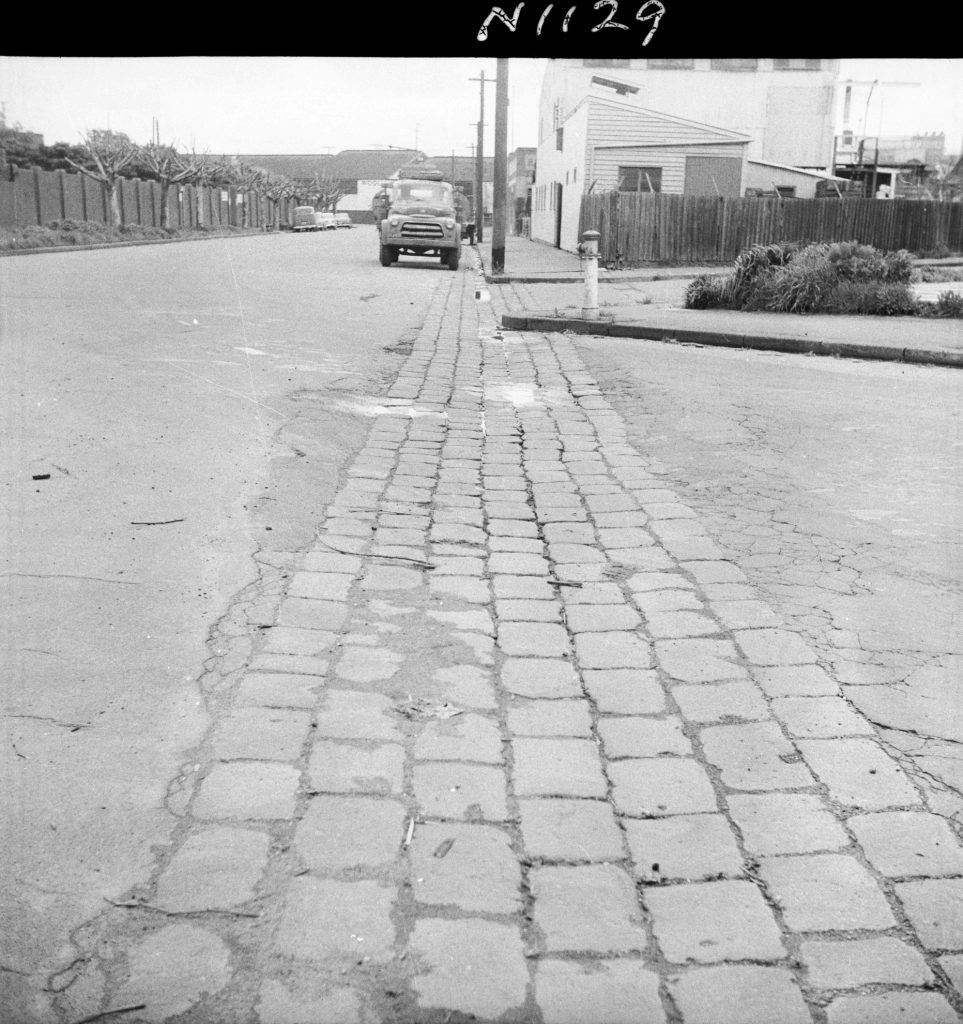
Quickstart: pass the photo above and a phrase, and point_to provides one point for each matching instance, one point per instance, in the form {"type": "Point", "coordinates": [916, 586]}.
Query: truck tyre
{"type": "Point", "coordinates": [388, 255]}
{"type": "Point", "coordinates": [452, 259]}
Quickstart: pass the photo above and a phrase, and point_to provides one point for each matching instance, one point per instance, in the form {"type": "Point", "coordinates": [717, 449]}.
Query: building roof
{"type": "Point", "coordinates": [798, 170]}
{"type": "Point", "coordinates": [292, 165]}
{"type": "Point", "coordinates": [465, 167]}
{"type": "Point", "coordinates": [370, 164]}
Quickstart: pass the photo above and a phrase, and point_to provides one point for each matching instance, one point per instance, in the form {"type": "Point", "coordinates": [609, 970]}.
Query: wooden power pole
{"type": "Point", "coordinates": [480, 162]}
{"type": "Point", "coordinates": [499, 206]}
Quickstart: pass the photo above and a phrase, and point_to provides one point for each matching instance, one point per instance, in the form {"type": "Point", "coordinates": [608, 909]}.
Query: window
{"type": "Point", "coordinates": [640, 179]}
{"type": "Point", "coordinates": [786, 191]}
{"type": "Point", "coordinates": [747, 64]}
{"type": "Point", "coordinates": [797, 65]}
{"type": "Point", "coordinates": [558, 137]}
{"type": "Point", "coordinates": [606, 62]}
{"type": "Point", "coordinates": [668, 64]}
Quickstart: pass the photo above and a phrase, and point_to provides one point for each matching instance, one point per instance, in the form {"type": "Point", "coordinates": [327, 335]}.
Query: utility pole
{"type": "Point", "coordinates": [499, 206]}
{"type": "Point", "coordinates": [480, 162]}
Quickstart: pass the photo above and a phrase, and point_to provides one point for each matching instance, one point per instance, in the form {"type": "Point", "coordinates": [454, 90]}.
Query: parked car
{"type": "Point", "coordinates": [325, 221]}
{"type": "Point", "coordinates": [344, 220]}
{"type": "Point", "coordinates": [304, 219]}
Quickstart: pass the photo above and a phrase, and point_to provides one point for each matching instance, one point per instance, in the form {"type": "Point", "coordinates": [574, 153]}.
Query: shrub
{"type": "Point", "coordinates": [948, 305]}
{"type": "Point", "coordinates": [755, 263]}
{"type": "Point", "coordinates": [872, 298]}
{"type": "Point", "coordinates": [707, 292]}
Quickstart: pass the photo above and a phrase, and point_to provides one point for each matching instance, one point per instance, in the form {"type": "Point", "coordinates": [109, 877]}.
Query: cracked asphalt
{"type": "Point", "coordinates": [554, 701]}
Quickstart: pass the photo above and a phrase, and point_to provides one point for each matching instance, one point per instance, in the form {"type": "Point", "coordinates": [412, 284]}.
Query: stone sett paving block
{"type": "Point", "coordinates": [647, 560]}
{"type": "Point", "coordinates": [215, 869]}
{"type": "Point", "coordinates": [321, 586]}
{"type": "Point", "coordinates": [363, 664]}
{"type": "Point", "coordinates": [472, 967]}
{"type": "Point", "coordinates": [512, 528]}
{"type": "Point", "coordinates": [528, 611]}
{"type": "Point", "coordinates": [517, 564]}
{"type": "Point", "coordinates": [550, 718]}
{"type": "Point", "coordinates": [820, 717]}
{"type": "Point", "coordinates": [699, 660]}
{"type": "Point", "coordinates": [654, 786]}
{"type": "Point", "coordinates": [328, 561]}
{"type": "Point", "coordinates": [278, 690]}
{"type": "Point", "coordinates": [826, 892]}
{"type": "Point", "coordinates": [306, 998]}
{"type": "Point", "coordinates": [558, 829]}
{"type": "Point", "coordinates": [467, 737]}
{"type": "Point", "coordinates": [339, 832]}
{"type": "Point", "coordinates": [263, 734]}
{"type": "Point", "coordinates": [796, 681]}
{"type": "Point", "coordinates": [592, 593]}
{"type": "Point", "coordinates": [611, 520]}
{"type": "Point", "coordinates": [307, 643]}
{"type": "Point", "coordinates": [858, 773]}
{"type": "Point", "coordinates": [584, 554]}
{"type": "Point", "coordinates": [624, 537]}
{"type": "Point", "coordinates": [591, 907]}
{"type": "Point", "coordinates": [952, 963]}
{"type": "Point", "coordinates": [773, 823]}
{"type": "Point", "coordinates": [171, 970]}
{"type": "Point", "coordinates": [326, 920]}
{"type": "Point", "coordinates": [739, 995]}
{"type": "Point", "coordinates": [570, 533]}
{"type": "Point", "coordinates": [637, 736]}
{"type": "Point", "coordinates": [346, 768]}
{"type": "Point", "coordinates": [721, 702]}
{"type": "Point", "coordinates": [934, 907]}
{"type": "Point", "coordinates": [471, 867]}
{"type": "Point", "coordinates": [451, 566]}
{"type": "Point", "coordinates": [646, 582]}
{"type": "Point", "coordinates": [745, 614]}
{"type": "Point", "coordinates": [614, 991]}
{"type": "Point", "coordinates": [612, 650]}
{"type": "Point", "coordinates": [709, 922]}
{"type": "Point", "coordinates": [461, 587]}
{"type": "Point", "coordinates": [905, 843]}
{"type": "Point", "coordinates": [535, 639]}
{"type": "Point", "coordinates": [521, 545]}
{"type": "Point", "coordinates": [540, 677]}
{"type": "Point", "coordinates": [656, 601]}
{"type": "Point", "coordinates": [600, 618]}
{"type": "Point", "coordinates": [755, 756]}
{"type": "Point", "coordinates": [557, 767]}
{"type": "Point", "coordinates": [562, 515]}
{"type": "Point", "coordinates": [625, 691]}
{"type": "Point", "coordinates": [248, 790]}
{"type": "Point", "coordinates": [689, 846]}
{"type": "Point", "coordinates": [891, 1008]}
{"type": "Point", "coordinates": [524, 588]}
{"type": "Point", "coordinates": [391, 577]}
{"type": "Point", "coordinates": [579, 572]}
{"type": "Point", "coordinates": [512, 510]}
{"type": "Point", "coordinates": [854, 962]}
{"type": "Point", "coordinates": [678, 624]}
{"type": "Point", "coordinates": [461, 792]}
{"type": "Point", "coordinates": [774, 647]}
{"type": "Point", "coordinates": [356, 715]}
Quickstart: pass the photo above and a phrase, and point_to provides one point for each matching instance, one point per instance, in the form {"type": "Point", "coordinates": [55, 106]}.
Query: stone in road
{"type": "Point", "coordinates": [546, 777]}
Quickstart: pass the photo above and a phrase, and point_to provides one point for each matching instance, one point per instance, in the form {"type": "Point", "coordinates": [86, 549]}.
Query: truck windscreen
{"type": "Point", "coordinates": [422, 192]}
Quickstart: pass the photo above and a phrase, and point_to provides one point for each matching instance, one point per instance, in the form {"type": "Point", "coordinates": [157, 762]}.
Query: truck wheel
{"type": "Point", "coordinates": [388, 255]}
{"type": "Point", "coordinates": [452, 259]}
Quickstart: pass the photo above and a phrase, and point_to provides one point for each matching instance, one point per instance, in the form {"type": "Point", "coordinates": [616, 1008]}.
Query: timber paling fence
{"type": "Point", "coordinates": [31, 196]}
{"type": "Point", "coordinates": [659, 228]}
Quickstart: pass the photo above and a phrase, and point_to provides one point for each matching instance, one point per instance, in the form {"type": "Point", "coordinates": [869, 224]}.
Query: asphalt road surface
{"type": "Point", "coordinates": [169, 432]}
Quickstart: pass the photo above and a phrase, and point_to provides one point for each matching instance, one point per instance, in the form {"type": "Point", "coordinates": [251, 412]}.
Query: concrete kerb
{"type": "Point", "coordinates": [800, 346]}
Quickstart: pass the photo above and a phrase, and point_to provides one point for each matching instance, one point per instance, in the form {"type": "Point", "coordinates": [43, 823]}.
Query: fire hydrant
{"type": "Point", "coordinates": [588, 250]}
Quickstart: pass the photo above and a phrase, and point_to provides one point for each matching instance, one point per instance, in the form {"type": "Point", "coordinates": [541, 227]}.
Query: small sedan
{"type": "Point", "coordinates": [325, 221]}
{"type": "Point", "coordinates": [344, 220]}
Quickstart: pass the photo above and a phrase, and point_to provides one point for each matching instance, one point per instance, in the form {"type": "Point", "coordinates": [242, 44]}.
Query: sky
{"type": "Point", "coordinates": [229, 105]}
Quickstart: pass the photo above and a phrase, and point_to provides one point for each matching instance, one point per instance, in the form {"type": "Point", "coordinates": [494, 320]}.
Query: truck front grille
{"type": "Point", "coordinates": [421, 229]}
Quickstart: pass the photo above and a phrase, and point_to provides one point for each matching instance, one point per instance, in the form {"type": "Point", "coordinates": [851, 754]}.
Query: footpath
{"type": "Point", "coordinates": [541, 290]}
{"type": "Point", "coordinates": [516, 742]}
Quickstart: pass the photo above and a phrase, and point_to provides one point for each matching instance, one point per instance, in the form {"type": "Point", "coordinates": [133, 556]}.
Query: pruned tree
{"type": "Point", "coordinates": [326, 191]}
{"type": "Point", "coordinates": [110, 154]}
{"type": "Point", "coordinates": [172, 168]}
{"type": "Point", "coordinates": [278, 188]}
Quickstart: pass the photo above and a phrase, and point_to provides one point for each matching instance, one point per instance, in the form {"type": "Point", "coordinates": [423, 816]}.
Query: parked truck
{"type": "Point", "coordinates": [416, 216]}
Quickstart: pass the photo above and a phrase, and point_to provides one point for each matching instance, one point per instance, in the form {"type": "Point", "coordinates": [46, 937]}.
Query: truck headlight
{"type": "Point", "coordinates": [449, 223]}
{"type": "Point", "coordinates": [395, 222]}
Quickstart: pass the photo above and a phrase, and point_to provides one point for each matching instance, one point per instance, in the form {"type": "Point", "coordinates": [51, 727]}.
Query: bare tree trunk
{"type": "Point", "coordinates": [165, 187]}
{"type": "Point", "coordinates": [112, 194]}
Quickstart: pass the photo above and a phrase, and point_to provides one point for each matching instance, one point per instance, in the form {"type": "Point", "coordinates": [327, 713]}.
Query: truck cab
{"type": "Point", "coordinates": [418, 218]}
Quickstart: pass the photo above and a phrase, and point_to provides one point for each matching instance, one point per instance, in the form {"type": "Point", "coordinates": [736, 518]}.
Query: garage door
{"type": "Point", "coordinates": [713, 176]}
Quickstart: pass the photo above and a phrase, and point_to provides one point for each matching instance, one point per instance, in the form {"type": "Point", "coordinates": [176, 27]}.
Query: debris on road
{"type": "Point", "coordinates": [422, 708]}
